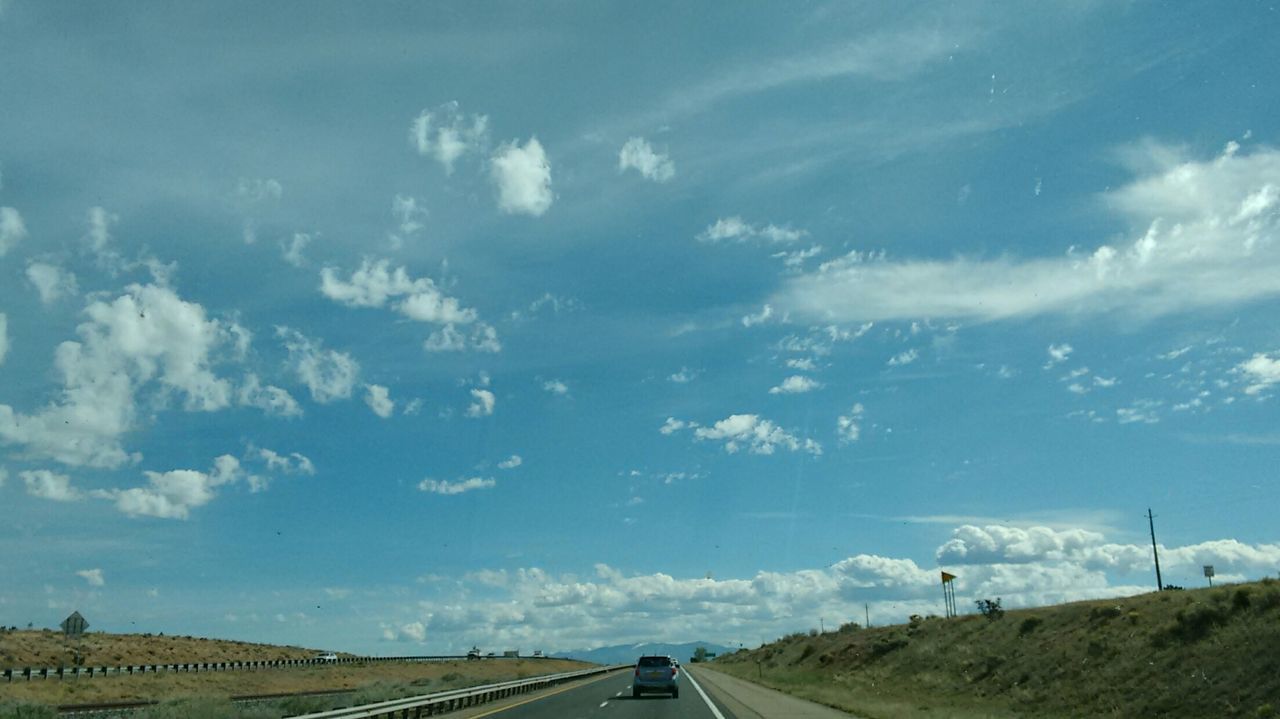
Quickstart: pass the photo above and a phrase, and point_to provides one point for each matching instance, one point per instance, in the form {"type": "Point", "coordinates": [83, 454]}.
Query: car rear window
{"type": "Point", "coordinates": [655, 661]}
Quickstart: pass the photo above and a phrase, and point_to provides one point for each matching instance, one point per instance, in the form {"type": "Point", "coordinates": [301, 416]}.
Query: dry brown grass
{"type": "Point", "coordinates": [49, 648]}
{"type": "Point", "coordinates": [1198, 653]}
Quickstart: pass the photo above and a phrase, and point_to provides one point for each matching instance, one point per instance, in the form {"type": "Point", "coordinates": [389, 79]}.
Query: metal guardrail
{"type": "Point", "coordinates": [91, 672]}
{"type": "Point", "coordinates": [432, 704]}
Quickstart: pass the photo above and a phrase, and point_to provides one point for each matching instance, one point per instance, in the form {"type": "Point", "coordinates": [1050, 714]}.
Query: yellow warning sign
{"type": "Point", "coordinates": [947, 576]}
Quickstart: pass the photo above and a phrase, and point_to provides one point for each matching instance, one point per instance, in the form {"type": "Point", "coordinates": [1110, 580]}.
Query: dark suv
{"type": "Point", "coordinates": [656, 674]}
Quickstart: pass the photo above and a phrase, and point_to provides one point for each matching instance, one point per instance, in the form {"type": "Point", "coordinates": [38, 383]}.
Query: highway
{"type": "Point", "coordinates": [607, 698]}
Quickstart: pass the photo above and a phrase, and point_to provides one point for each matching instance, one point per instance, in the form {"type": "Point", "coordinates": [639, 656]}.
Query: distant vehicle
{"type": "Point", "coordinates": [326, 657]}
{"type": "Point", "coordinates": [511, 653]}
{"type": "Point", "coordinates": [475, 654]}
{"type": "Point", "coordinates": [656, 674]}
{"type": "Point", "coordinates": [537, 652]}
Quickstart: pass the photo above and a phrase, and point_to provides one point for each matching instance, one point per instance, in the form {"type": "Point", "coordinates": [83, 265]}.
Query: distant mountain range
{"type": "Point", "coordinates": [627, 653]}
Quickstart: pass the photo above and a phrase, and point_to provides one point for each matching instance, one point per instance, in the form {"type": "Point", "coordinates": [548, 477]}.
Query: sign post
{"type": "Point", "coordinates": [949, 593]}
{"type": "Point", "coordinates": [74, 625]}
{"type": "Point", "coordinates": [1208, 572]}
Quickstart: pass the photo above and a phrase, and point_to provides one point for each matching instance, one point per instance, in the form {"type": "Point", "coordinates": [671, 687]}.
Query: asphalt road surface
{"type": "Point", "coordinates": [610, 698]}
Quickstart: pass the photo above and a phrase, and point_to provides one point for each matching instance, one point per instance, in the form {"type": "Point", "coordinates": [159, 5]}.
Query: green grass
{"type": "Point", "coordinates": [1199, 653]}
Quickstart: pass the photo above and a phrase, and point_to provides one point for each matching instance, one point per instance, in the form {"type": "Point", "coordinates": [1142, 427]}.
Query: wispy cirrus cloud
{"type": "Point", "coordinates": [1206, 237]}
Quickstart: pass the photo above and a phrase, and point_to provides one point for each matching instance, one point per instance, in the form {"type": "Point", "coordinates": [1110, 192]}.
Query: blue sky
{"type": "Point", "coordinates": [402, 329]}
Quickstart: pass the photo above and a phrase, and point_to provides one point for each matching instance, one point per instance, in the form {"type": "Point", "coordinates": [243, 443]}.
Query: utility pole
{"type": "Point", "coordinates": [1156, 552]}
{"type": "Point", "coordinates": [867, 608]}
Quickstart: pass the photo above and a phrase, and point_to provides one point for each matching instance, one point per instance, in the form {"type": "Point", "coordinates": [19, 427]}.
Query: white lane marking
{"type": "Point", "coordinates": [604, 704]}
{"type": "Point", "coordinates": [715, 712]}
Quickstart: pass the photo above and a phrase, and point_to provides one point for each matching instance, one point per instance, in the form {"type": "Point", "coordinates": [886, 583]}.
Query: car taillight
{"type": "Point", "coordinates": [637, 671]}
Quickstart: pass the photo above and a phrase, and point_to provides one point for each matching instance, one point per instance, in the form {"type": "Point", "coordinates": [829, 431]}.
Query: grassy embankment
{"type": "Point", "coordinates": [205, 694]}
{"type": "Point", "coordinates": [1198, 653]}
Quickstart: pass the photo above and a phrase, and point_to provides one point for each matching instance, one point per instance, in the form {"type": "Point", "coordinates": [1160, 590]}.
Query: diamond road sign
{"type": "Point", "coordinates": [74, 625]}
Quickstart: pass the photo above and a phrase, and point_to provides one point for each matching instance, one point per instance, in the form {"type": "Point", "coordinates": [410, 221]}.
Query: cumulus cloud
{"type": "Point", "coordinates": [328, 374]}
{"type": "Point", "coordinates": [174, 494]}
{"type": "Point", "coordinates": [294, 250]}
{"type": "Point", "coordinates": [407, 632]}
{"type": "Point", "coordinates": [447, 134]}
{"type": "Point", "coordinates": [684, 376]}
{"type": "Point", "coordinates": [1204, 236]}
{"type": "Point", "coordinates": [12, 229]}
{"type": "Point", "coordinates": [746, 431]}
{"type": "Point", "coordinates": [375, 284]}
{"type": "Point", "coordinates": [637, 154]}
{"type": "Point", "coordinates": [379, 400]}
{"type": "Point", "coordinates": [555, 386]}
{"type": "Point", "coordinates": [481, 337]}
{"type": "Point", "coordinates": [511, 462]}
{"type": "Point", "coordinates": [269, 398]}
{"type": "Point", "coordinates": [98, 234]}
{"type": "Point", "coordinates": [1058, 354]}
{"type": "Point", "coordinates": [1260, 371]}
{"type": "Point", "coordinates": [447, 488]}
{"type": "Point", "coordinates": [735, 229]}
{"type": "Point", "coordinates": [760, 317]}
{"type": "Point", "coordinates": [147, 337]}
{"type": "Point", "coordinates": [482, 404]}
{"type": "Point", "coordinates": [49, 485]}
{"type": "Point", "coordinates": [51, 281]}
{"type": "Point", "coordinates": [904, 358]}
{"type": "Point", "coordinates": [292, 463]}
{"type": "Point", "coordinates": [255, 190]}
{"type": "Point", "coordinates": [92, 576]}
{"type": "Point", "coordinates": [796, 384]}
{"type": "Point", "coordinates": [523, 178]}
{"type": "Point", "coordinates": [848, 426]}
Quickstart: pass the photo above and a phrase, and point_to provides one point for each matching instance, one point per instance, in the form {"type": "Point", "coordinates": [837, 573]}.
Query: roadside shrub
{"type": "Point", "coordinates": [806, 653]}
{"type": "Point", "coordinates": [1241, 600]}
{"type": "Point", "coordinates": [1029, 625]}
{"type": "Point", "coordinates": [990, 608]}
{"type": "Point", "coordinates": [451, 677]}
{"type": "Point", "coordinates": [884, 646]}
{"type": "Point", "coordinates": [849, 627]}
{"type": "Point", "coordinates": [1105, 612]}
{"type": "Point", "coordinates": [813, 632]}
{"type": "Point", "coordinates": [1192, 624]}
{"type": "Point", "coordinates": [1264, 711]}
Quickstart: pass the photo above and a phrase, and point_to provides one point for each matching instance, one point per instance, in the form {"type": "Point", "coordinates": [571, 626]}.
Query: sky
{"type": "Point", "coordinates": [403, 328]}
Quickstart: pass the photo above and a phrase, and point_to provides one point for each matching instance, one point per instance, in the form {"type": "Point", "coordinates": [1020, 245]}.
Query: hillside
{"type": "Point", "coordinates": [1199, 653]}
{"type": "Point", "coordinates": [48, 648]}
{"type": "Point", "coordinates": [627, 653]}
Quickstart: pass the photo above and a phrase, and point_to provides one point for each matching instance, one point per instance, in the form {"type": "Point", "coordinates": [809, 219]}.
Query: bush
{"type": "Point", "coordinates": [1241, 600]}
{"type": "Point", "coordinates": [990, 608]}
{"type": "Point", "coordinates": [806, 653]}
{"type": "Point", "coordinates": [849, 627]}
{"type": "Point", "coordinates": [1029, 625]}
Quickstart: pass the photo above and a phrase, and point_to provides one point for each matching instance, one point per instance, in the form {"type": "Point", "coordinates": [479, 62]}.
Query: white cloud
{"type": "Point", "coordinates": [672, 425]}
{"type": "Point", "coordinates": [637, 154]}
{"type": "Point", "coordinates": [803, 364]}
{"type": "Point", "coordinates": [293, 463]}
{"type": "Point", "coordinates": [482, 338]}
{"type": "Point", "coordinates": [259, 190]}
{"type": "Point", "coordinates": [754, 433]}
{"type": "Point", "coordinates": [292, 251]}
{"type": "Point", "coordinates": [904, 358]}
{"type": "Point", "coordinates": [413, 406]}
{"type": "Point", "coordinates": [1142, 410]}
{"type": "Point", "coordinates": [270, 399]}
{"type": "Point", "coordinates": [760, 317]}
{"type": "Point", "coordinates": [93, 577]}
{"type": "Point", "coordinates": [511, 462]}
{"type": "Point", "coordinates": [52, 281]}
{"type": "Point", "coordinates": [1261, 371]}
{"type": "Point", "coordinates": [447, 488]}
{"type": "Point", "coordinates": [684, 376]}
{"type": "Point", "coordinates": [375, 284]}
{"type": "Point", "coordinates": [379, 400]}
{"type": "Point", "coordinates": [847, 425]}
{"type": "Point", "coordinates": [148, 334]}
{"type": "Point", "coordinates": [735, 229]}
{"type": "Point", "coordinates": [408, 214]}
{"type": "Point", "coordinates": [98, 236]}
{"type": "Point", "coordinates": [447, 134]}
{"type": "Point", "coordinates": [555, 386]}
{"type": "Point", "coordinates": [483, 403]}
{"type": "Point", "coordinates": [328, 374]}
{"type": "Point", "coordinates": [1058, 354]}
{"type": "Point", "coordinates": [12, 229]}
{"type": "Point", "coordinates": [173, 494]}
{"type": "Point", "coordinates": [796, 384]}
{"type": "Point", "coordinates": [49, 485]}
{"type": "Point", "coordinates": [795, 260]}
{"type": "Point", "coordinates": [523, 178]}
{"type": "Point", "coordinates": [407, 632]}
{"type": "Point", "coordinates": [1203, 237]}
